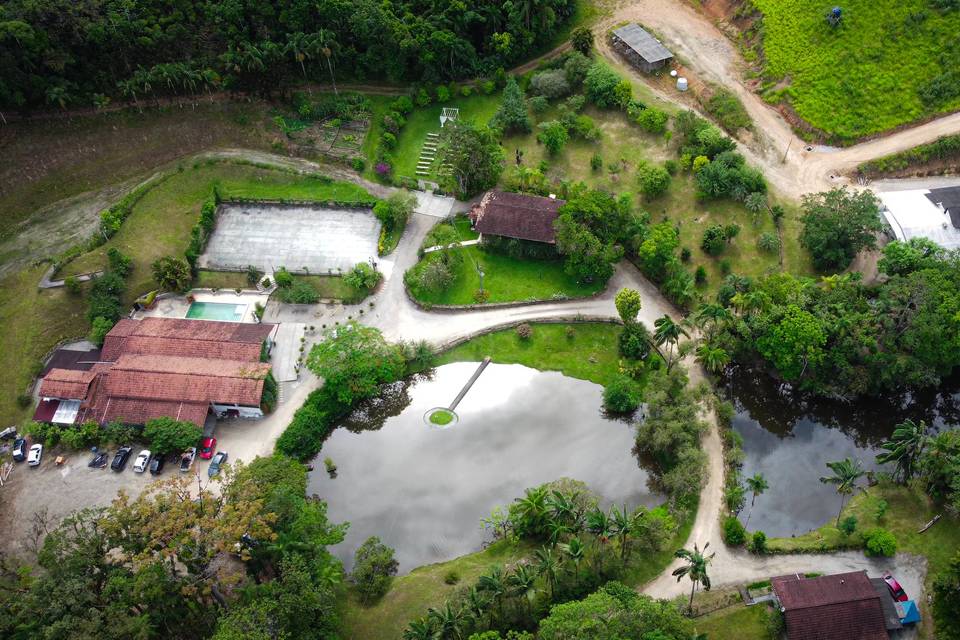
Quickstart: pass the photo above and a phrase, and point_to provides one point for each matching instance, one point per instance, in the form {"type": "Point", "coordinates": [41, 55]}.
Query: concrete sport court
{"type": "Point", "coordinates": [295, 237]}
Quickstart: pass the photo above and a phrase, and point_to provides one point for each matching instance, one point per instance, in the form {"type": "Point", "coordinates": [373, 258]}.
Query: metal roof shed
{"type": "Point", "coordinates": [640, 48]}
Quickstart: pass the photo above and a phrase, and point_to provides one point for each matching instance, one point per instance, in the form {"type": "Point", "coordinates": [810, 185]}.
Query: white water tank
{"type": "Point", "coordinates": [682, 84]}
{"type": "Point", "coordinates": [673, 73]}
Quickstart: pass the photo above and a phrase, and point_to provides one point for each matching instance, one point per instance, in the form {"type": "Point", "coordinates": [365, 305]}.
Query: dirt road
{"type": "Point", "coordinates": [784, 158]}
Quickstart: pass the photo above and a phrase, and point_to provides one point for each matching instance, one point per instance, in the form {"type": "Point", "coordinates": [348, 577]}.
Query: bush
{"type": "Point", "coordinates": [576, 68]}
{"type": "Point", "coordinates": [423, 98]}
{"type": "Point", "coordinates": [363, 276]}
{"type": "Point", "coordinates": [553, 135]}
{"type": "Point", "coordinates": [81, 436]}
{"type": "Point", "coordinates": [848, 525]}
{"type": "Point", "coordinates": [714, 240]}
{"type": "Point", "coordinates": [538, 104]}
{"type": "Point", "coordinates": [443, 94]}
{"type": "Point", "coordinates": [728, 110]}
{"type": "Point", "coordinates": [435, 276]}
{"type": "Point", "coordinates": [653, 120]}
{"type": "Point", "coordinates": [172, 274]}
{"type": "Point", "coordinates": [700, 275]}
{"type": "Point", "coordinates": [301, 292]}
{"type": "Point", "coordinates": [72, 285]}
{"type": "Point", "coordinates": [373, 569]}
{"type": "Point", "coordinates": [451, 577]}
{"type": "Point", "coordinates": [654, 180]}
{"type": "Point", "coordinates": [582, 40]}
{"type": "Point", "coordinates": [602, 86]}
{"type": "Point", "coordinates": [359, 164]}
{"type": "Point", "coordinates": [524, 331]}
{"type": "Point", "coordinates": [758, 543]}
{"type": "Point", "coordinates": [621, 395]}
{"type": "Point", "coordinates": [311, 425]}
{"type": "Point", "coordinates": [283, 278]}
{"type": "Point", "coordinates": [768, 242]}
{"type": "Point", "coordinates": [685, 254]}
{"type": "Point", "coordinates": [596, 162]}
{"type": "Point", "coordinates": [403, 105]}
{"type": "Point", "coordinates": [634, 341]}
{"type": "Point", "coordinates": [99, 329]}
{"type": "Point", "coordinates": [118, 262]}
{"type": "Point", "coordinates": [879, 542]}
{"type": "Point", "coordinates": [733, 532]}
{"type": "Point", "coordinates": [166, 435]}
{"type": "Point", "coordinates": [551, 84]}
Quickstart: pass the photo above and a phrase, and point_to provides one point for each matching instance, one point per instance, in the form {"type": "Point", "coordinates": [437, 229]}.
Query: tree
{"type": "Point", "coordinates": [621, 394]}
{"type": "Point", "coordinates": [795, 343]}
{"type": "Point", "coordinates": [582, 40]}
{"type": "Point", "coordinates": [512, 115]}
{"type": "Point", "coordinates": [838, 224]}
{"type": "Point", "coordinates": [695, 568]}
{"type": "Point", "coordinates": [654, 180]}
{"type": "Point", "coordinates": [757, 485]}
{"type": "Point", "coordinates": [656, 252]}
{"type": "Point", "coordinates": [474, 156]}
{"type": "Point", "coordinates": [449, 621]}
{"type": "Point", "coordinates": [172, 274]}
{"type": "Point", "coordinates": [551, 84]}
{"type": "Point", "coordinates": [667, 332]}
{"type": "Point", "coordinates": [628, 305]}
{"type": "Point", "coordinates": [396, 209]}
{"type": "Point", "coordinates": [903, 258]}
{"type": "Point", "coordinates": [167, 435]}
{"type": "Point", "coordinates": [946, 600]}
{"type": "Point", "coordinates": [547, 567]}
{"type": "Point", "coordinates": [435, 276]}
{"type": "Point", "coordinates": [615, 612]}
{"type": "Point", "coordinates": [354, 360]}
{"type": "Point", "coordinates": [553, 135]}
{"type": "Point", "coordinates": [905, 447]}
{"type": "Point", "coordinates": [99, 329]}
{"type": "Point", "coordinates": [601, 86]}
{"type": "Point", "coordinates": [373, 569]}
{"type": "Point", "coordinates": [575, 551]}
{"type": "Point", "coordinates": [713, 359]}
{"type": "Point", "coordinates": [523, 585]}
{"type": "Point", "coordinates": [494, 583]}
{"type": "Point", "coordinates": [846, 472]}
{"type": "Point", "coordinates": [768, 242]}
{"type": "Point", "coordinates": [711, 317]}
{"type": "Point", "coordinates": [587, 257]}
{"type": "Point", "coordinates": [714, 240]}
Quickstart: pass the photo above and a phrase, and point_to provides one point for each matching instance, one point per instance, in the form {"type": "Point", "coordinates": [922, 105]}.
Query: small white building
{"type": "Point", "coordinates": [924, 213]}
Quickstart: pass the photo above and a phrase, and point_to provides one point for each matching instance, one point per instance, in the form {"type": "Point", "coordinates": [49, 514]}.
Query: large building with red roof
{"type": "Point", "coordinates": [163, 367]}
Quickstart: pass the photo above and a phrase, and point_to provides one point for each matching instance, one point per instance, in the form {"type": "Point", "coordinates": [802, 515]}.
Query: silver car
{"type": "Point", "coordinates": [36, 452]}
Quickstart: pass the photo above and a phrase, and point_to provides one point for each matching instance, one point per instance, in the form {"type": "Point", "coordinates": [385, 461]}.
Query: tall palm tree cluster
{"type": "Point", "coordinates": [583, 547]}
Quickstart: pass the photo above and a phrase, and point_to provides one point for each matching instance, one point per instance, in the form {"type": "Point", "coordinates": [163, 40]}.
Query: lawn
{"type": "Point", "coordinates": [506, 279]}
{"type": "Point", "coordinates": [590, 353]}
{"type": "Point", "coordinates": [735, 623]}
{"type": "Point", "coordinates": [422, 121]}
{"type": "Point", "coordinates": [908, 510]}
{"type": "Point", "coordinates": [862, 77]}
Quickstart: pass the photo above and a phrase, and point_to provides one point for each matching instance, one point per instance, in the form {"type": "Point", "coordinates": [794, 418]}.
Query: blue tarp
{"type": "Point", "coordinates": [911, 613]}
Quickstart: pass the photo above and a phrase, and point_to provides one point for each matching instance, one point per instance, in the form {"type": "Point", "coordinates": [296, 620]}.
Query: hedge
{"type": "Point", "coordinates": [311, 425]}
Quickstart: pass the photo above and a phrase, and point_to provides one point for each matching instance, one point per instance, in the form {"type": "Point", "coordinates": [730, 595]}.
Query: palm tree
{"type": "Point", "coordinates": [599, 525]}
{"type": "Point", "coordinates": [846, 472]}
{"type": "Point", "coordinates": [710, 317]}
{"type": "Point", "coordinates": [495, 584]}
{"type": "Point", "coordinates": [905, 447]}
{"type": "Point", "coordinates": [476, 604]}
{"type": "Point", "coordinates": [667, 332]}
{"type": "Point", "coordinates": [695, 569]}
{"type": "Point", "coordinates": [622, 525]}
{"type": "Point", "coordinates": [421, 629]}
{"type": "Point", "coordinates": [325, 41]}
{"type": "Point", "coordinates": [523, 585]}
{"type": "Point", "coordinates": [547, 566]}
{"type": "Point", "coordinates": [532, 508]}
{"type": "Point", "coordinates": [449, 623]}
{"type": "Point", "coordinates": [574, 550]}
{"type": "Point", "coordinates": [757, 485]}
{"type": "Point", "coordinates": [564, 509]}
{"type": "Point", "coordinates": [556, 530]}
{"type": "Point", "coordinates": [713, 359]}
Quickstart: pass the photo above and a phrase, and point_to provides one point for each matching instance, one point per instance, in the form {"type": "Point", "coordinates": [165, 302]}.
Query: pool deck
{"type": "Point", "coordinates": [176, 306]}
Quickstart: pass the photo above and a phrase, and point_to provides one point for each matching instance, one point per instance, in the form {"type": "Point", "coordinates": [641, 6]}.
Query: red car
{"type": "Point", "coordinates": [207, 446]}
{"type": "Point", "coordinates": [895, 589]}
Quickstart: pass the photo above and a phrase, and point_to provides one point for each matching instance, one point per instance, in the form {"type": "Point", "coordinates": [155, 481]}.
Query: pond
{"type": "Point", "coordinates": [790, 436]}
{"type": "Point", "coordinates": [423, 488]}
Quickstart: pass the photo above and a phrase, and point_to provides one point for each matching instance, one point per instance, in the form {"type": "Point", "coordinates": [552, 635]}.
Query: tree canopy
{"type": "Point", "coordinates": [838, 224]}
{"type": "Point", "coordinates": [353, 360]}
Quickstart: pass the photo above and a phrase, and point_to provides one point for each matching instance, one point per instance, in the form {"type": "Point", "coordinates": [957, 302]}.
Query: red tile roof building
{"type": "Point", "coordinates": [515, 215]}
{"type": "Point", "coordinates": [164, 367]}
{"type": "Point", "coordinates": [845, 606]}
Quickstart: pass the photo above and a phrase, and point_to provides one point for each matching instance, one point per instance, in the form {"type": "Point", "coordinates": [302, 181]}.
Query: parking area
{"type": "Point", "coordinates": [296, 237]}
{"type": "Point", "coordinates": [37, 497]}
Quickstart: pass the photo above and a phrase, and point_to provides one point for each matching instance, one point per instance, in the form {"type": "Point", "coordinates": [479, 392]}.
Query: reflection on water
{"type": "Point", "coordinates": [789, 437]}
{"type": "Point", "coordinates": [423, 490]}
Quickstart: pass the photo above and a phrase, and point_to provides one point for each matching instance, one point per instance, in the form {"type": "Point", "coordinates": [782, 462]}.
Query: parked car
{"type": "Point", "coordinates": [218, 461]}
{"type": "Point", "coordinates": [186, 460]}
{"type": "Point", "coordinates": [36, 452]}
{"type": "Point", "coordinates": [99, 460]}
{"type": "Point", "coordinates": [895, 589]}
{"type": "Point", "coordinates": [143, 459]}
{"type": "Point", "coordinates": [207, 445]}
{"type": "Point", "coordinates": [120, 460]}
{"type": "Point", "coordinates": [9, 432]}
{"type": "Point", "coordinates": [156, 464]}
{"type": "Point", "coordinates": [20, 449]}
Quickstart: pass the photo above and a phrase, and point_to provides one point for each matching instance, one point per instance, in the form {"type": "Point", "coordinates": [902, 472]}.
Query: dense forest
{"type": "Point", "coordinates": [59, 53]}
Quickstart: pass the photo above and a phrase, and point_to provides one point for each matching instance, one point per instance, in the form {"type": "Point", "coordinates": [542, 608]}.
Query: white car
{"type": "Point", "coordinates": [36, 452]}
{"type": "Point", "coordinates": [143, 459]}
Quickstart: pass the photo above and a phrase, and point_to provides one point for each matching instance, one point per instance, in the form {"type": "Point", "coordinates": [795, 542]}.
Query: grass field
{"type": "Point", "coordinates": [506, 279]}
{"type": "Point", "coordinates": [908, 510]}
{"type": "Point", "coordinates": [861, 77]}
{"type": "Point", "coordinates": [735, 623]}
{"type": "Point", "coordinates": [35, 321]}
{"type": "Point", "coordinates": [590, 354]}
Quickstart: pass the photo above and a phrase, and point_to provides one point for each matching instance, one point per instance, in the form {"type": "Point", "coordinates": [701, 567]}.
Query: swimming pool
{"type": "Point", "coordinates": [216, 311]}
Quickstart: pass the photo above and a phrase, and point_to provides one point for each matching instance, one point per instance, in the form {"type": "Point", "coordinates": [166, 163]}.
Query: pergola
{"type": "Point", "coordinates": [448, 115]}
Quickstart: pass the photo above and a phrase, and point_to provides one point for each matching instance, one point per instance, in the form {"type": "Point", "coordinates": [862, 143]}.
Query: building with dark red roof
{"type": "Point", "coordinates": [516, 215]}
{"type": "Point", "coordinates": [845, 606]}
{"type": "Point", "coordinates": [163, 367]}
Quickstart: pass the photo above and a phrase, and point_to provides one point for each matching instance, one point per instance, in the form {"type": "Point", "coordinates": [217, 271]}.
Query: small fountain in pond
{"type": "Point", "coordinates": [445, 417]}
